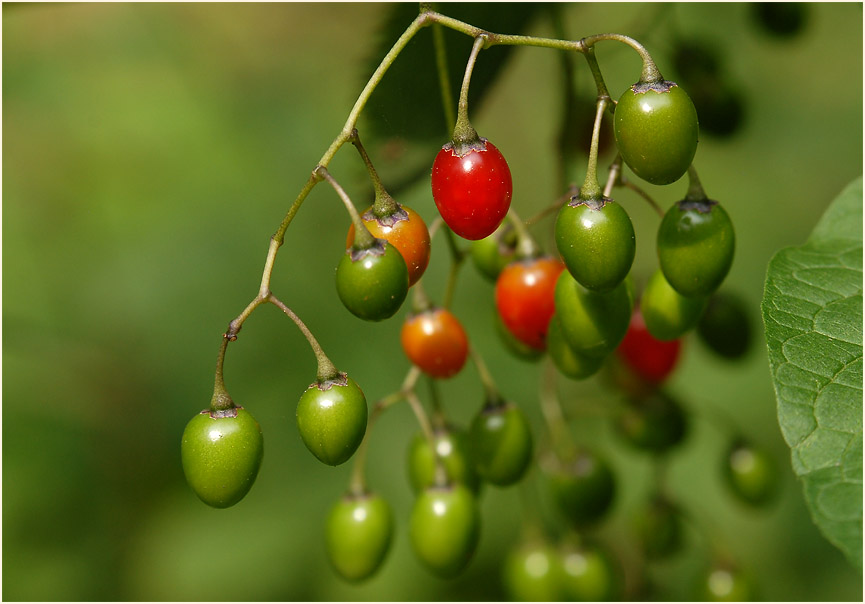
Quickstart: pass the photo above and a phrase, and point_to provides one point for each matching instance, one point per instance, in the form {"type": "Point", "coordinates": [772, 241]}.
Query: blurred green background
{"type": "Point", "coordinates": [149, 152]}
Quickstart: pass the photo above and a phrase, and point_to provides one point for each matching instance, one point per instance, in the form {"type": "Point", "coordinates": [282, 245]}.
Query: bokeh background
{"type": "Point", "coordinates": [149, 152]}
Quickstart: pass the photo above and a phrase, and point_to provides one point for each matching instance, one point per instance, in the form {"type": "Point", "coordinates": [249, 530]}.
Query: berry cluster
{"type": "Point", "coordinates": [576, 304]}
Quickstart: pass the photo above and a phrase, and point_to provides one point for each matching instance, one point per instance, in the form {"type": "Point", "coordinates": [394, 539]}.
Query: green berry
{"type": "Point", "coordinates": [568, 361]}
{"type": "Point", "coordinates": [590, 575]}
{"type": "Point", "coordinates": [597, 242]}
{"type": "Point", "coordinates": [500, 442]}
{"type": "Point", "coordinates": [655, 423]}
{"type": "Point", "coordinates": [358, 535]}
{"type": "Point", "coordinates": [750, 473]}
{"type": "Point", "coordinates": [695, 247]}
{"type": "Point", "coordinates": [331, 419]}
{"type": "Point", "coordinates": [452, 447]}
{"type": "Point", "coordinates": [444, 529]}
{"type": "Point", "coordinates": [656, 131]}
{"type": "Point", "coordinates": [532, 572]}
{"type": "Point", "coordinates": [659, 528]}
{"type": "Point", "coordinates": [668, 314]}
{"type": "Point", "coordinates": [372, 283]}
{"type": "Point", "coordinates": [583, 489]}
{"type": "Point", "coordinates": [725, 326]}
{"type": "Point", "coordinates": [221, 452]}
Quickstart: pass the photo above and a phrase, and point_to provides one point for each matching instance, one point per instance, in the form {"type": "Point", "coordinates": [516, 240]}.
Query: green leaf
{"type": "Point", "coordinates": [812, 310]}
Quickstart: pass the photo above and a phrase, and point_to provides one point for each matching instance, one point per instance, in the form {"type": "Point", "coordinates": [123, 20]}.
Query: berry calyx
{"type": "Point", "coordinates": [405, 230]}
{"type": "Point", "coordinates": [444, 529]}
{"type": "Point", "coordinates": [471, 187]}
{"type": "Point", "coordinates": [435, 341]}
{"type": "Point", "coordinates": [695, 246]}
{"type": "Point", "coordinates": [656, 130]}
{"type": "Point", "coordinates": [525, 298]}
{"type": "Point", "coordinates": [331, 419]}
{"type": "Point", "coordinates": [372, 282]}
{"type": "Point", "coordinates": [501, 443]}
{"type": "Point", "coordinates": [358, 535]}
{"type": "Point", "coordinates": [221, 453]}
{"type": "Point", "coordinates": [597, 242]}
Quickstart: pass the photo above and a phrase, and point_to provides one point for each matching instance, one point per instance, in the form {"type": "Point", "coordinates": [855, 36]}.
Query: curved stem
{"type": "Point", "coordinates": [363, 239]}
{"type": "Point", "coordinates": [650, 71]}
{"type": "Point", "coordinates": [551, 409]}
{"type": "Point", "coordinates": [616, 178]}
{"type": "Point", "coordinates": [695, 188]}
{"type": "Point", "coordinates": [384, 204]}
{"type": "Point", "coordinates": [492, 393]}
{"type": "Point", "coordinates": [591, 190]}
{"type": "Point", "coordinates": [221, 399]}
{"type": "Point", "coordinates": [596, 72]}
{"type": "Point", "coordinates": [441, 477]}
{"type": "Point", "coordinates": [326, 369]}
{"type": "Point", "coordinates": [464, 133]}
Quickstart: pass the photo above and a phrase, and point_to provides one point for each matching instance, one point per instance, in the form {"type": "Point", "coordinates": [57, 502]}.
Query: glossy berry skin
{"type": "Point", "coordinates": [589, 574]}
{"type": "Point", "coordinates": [582, 489]}
{"type": "Point", "coordinates": [668, 314]}
{"type": "Point", "coordinates": [656, 423]}
{"type": "Point", "coordinates": [436, 342]}
{"type": "Point", "coordinates": [656, 131]}
{"type": "Point", "coordinates": [358, 535]}
{"type": "Point", "coordinates": [452, 447]}
{"type": "Point", "coordinates": [493, 253]}
{"type": "Point", "coordinates": [221, 452]}
{"type": "Point", "coordinates": [372, 283]}
{"type": "Point", "coordinates": [724, 583]}
{"type": "Point", "coordinates": [406, 231]}
{"type": "Point", "coordinates": [659, 528]}
{"type": "Point", "coordinates": [331, 419]}
{"type": "Point", "coordinates": [472, 189]}
{"type": "Point", "coordinates": [651, 359]}
{"type": "Point", "coordinates": [532, 572]}
{"type": "Point", "coordinates": [750, 474]}
{"type": "Point", "coordinates": [569, 362]}
{"type": "Point", "coordinates": [725, 327]}
{"type": "Point", "coordinates": [593, 323]}
{"type": "Point", "coordinates": [597, 243]}
{"type": "Point", "coordinates": [695, 247]}
{"type": "Point", "coordinates": [444, 529]}
{"type": "Point", "coordinates": [525, 298]}
{"type": "Point", "coordinates": [501, 444]}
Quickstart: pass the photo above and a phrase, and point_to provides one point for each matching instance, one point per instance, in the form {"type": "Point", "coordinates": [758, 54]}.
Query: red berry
{"type": "Point", "coordinates": [436, 342]}
{"type": "Point", "coordinates": [525, 298]}
{"type": "Point", "coordinates": [472, 190]}
{"type": "Point", "coordinates": [650, 358]}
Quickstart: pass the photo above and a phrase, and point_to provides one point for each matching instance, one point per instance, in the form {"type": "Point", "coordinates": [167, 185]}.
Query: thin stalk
{"type": "Point", "coordinates": [326, 369]}
{"type": "Point", "coordinates": [551, 410]}
{"type": "Point", "coordinates": [489, 385]}
{"type": "Point", "coordinates": [221, 400]}
{"type": "Point", "coordinates": [464, 133]}
{"type": "Point", "coordinates": [357, 482]}
{"type": "Point", "coordinates": [695, 188]}
{"type": "Point", "coordinates": [444, 75]}
{"type": "Point", "coordinates": [384, 204]}
{"type": "Point", "coordinates": [650, 71]}
{"type": "Point", "coordinates": [441, 477]}
{"type": "Point", "coordinates": [363, 239]}
{"type": "Point", "coordinates": [527, 247]}
{"type": "Point", "coordinates": [591, 190]}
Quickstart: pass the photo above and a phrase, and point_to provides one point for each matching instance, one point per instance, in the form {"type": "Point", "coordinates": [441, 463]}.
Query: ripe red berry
{"type": "Point", "coordinates": [436, 342]}
{"type": "Point", "coordinates": [651, 359]}
{"type": "Point", "coordinates": [525, 298]}
{"type": "Point", "coordinates": [472, 188]}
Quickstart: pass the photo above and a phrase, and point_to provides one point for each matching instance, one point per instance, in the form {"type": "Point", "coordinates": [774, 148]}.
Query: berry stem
{"type": "Point", "coordinates": [695, 188]}
{"type": "Point", "coordinates": [489, 385]}
{"type": "Point", "coordinates": [438, 414]}
{"type": "Point", "coordinates": [591, 189]}
{"type": "Point", "coordinates": [384, 204]}
{"type": "Point", "coordinates": [326, 369]}
{"type": "Point", "coordinates": [551, 410]}
{"type": "Point", "coordinates": [464, 133]}
{"type": "Point", "coordinates": [363, 239]}
{"type": "Point", "coordinates": [650, 71]}
{"type": "Point", "coordinates": [616, 178]}
{"type": "Point", "coordinates": [441, 477]}
{"type": "Point", "coordinates": [221, 400]}
{"type": "Point", "coordinates": [357, 482]}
